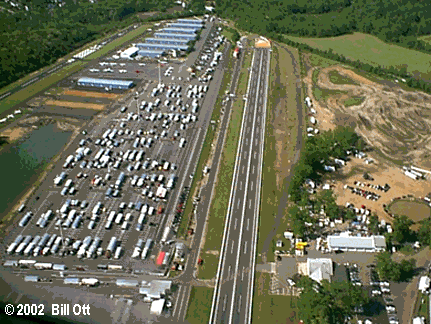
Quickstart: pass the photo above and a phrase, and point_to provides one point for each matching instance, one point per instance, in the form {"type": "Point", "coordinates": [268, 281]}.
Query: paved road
{"type": "Point", "coordinates": [235, 277]}
{"type": "Point", "coordinates": [186, 279]}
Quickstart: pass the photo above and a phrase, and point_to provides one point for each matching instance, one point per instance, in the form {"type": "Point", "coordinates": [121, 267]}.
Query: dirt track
{"type": "Point", "coordinates": [90, 94]}
{"type": "Point", "coordinates": [71, 104]}
{"type": "Point", "coordinates": [395, 121]}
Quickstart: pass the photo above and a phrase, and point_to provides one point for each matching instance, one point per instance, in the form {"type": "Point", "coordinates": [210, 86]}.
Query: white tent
{"type": "Point", "coordinates": [418, 320]}
{"type": "Point", "coordinates": [424, 283]}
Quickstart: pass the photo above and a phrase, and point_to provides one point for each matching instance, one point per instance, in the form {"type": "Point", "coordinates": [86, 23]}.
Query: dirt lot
{"type": "Point", "coordinates": [394, 121]}
{"type": "Point", "coordinates": [70, 104]}
{"type": "Point", "coordinates": [90, 94]}
{"type": "Point", "coordinates": [382, 173]}
{"type": "Point", "coordinates": [15, 133]}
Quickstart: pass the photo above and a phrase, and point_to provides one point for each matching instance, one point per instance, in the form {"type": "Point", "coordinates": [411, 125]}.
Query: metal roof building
{"type": "Point", "coordinates": [157, 306]}
{"type": "Point", "coordinates": [157, 289]}
{"type": "Point", "coordinates": [319, 269]}
{"type": "Point", "coordinates": [102, 83]}
{"type": "Point", "coordinates": [185, 26]}
{"type": "Point", "coordinates": [60, 267]}
{"type": "Point", "coordinates": [165, 47]}
{"type": "Point", "coordinates": [178, 31]}
{"type": "Point", "coordinates": [170, 41]}
{"type": "Point", "coordinates": [177, 36]}
{"type": "Point", "coordinates": [31, 278]}
{"type": "Point", "coordinates": [72, 281]}
{"type": "Point", "coordinates": [130, 52]}
{"type": "Point", "coordinates": [127, 283]}
{"type": "Point", "coordinates": [151, 53]}
{"type": "Point", "coordinates": [344, 242]}
{"type": "Point", "coordinates": [191, 21]}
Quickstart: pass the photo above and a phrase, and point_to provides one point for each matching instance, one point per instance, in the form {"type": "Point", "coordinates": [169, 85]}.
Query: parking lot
{"type": "Point", "coordinates": [126, 174]}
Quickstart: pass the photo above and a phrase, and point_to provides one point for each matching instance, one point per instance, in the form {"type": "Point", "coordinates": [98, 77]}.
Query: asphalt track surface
{"type": "Point", "coordinates": [233, 294]}
{"type": "Point", "coordinates": [187, 278]}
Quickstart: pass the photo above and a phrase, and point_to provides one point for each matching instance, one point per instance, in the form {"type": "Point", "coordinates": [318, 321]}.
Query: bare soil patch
{"type": "Point", "coordinates": [70, 104]}
{"type": "Point", "coordinates": [90, 94]}
{"type": "Point", "coordinates": [15, 133]}
{"type": "Point", "coordinates": [395, 121]}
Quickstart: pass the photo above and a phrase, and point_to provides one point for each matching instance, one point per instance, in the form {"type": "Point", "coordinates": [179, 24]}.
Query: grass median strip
{"type": "Point", "coordinates": [199, 308]}
{"type": "Point", "coordinates": [25, 94]}
{"type": "Point", "coordinates": [224, 180]}
{"type": "Point", "coordinates": [280, 140]}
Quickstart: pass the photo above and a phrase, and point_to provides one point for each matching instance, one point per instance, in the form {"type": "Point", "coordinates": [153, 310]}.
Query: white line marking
{"type": "Point", "coordinates": [249, 203]}
{"type": "Point", "coordinates": [245, 248]}
{"type": "Point", "coordinates": [232, 246]}
{"type": "Point", "coordinates": [236, 222]}
{"type": "Point", "coordinates": [248, 224]}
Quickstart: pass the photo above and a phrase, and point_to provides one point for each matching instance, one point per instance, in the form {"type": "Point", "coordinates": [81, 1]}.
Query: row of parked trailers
{"type": "Point", "coordinates": [35, 264]}
{"type": "Point", "coordinates": [38, 245]}
{"type": "Point", "coordinates": [141, 250]}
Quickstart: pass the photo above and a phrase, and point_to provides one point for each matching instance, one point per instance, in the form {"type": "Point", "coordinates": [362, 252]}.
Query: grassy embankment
{"type": "Point", "coordinates": [271, 308]}
{"type": "Point", "coordinates": [198, 311]}
{"type": "Point", "coordinates": [280, 140]}
{"type": "Point", "coordinates": [23, 95]}
{"type": "Point", "coordinates": [222, 188]}
{"type": "Point", "coordinates": [371, 50]}
{"type": "Point", "coordinates": [206, 148]}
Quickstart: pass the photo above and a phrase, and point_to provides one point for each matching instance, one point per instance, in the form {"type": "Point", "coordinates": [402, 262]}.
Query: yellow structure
{"type": "Point", "coordinates": [262, 42]}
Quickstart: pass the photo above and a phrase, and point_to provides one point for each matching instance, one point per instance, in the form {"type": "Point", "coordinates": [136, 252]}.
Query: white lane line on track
{"type": "Point", "coordinates": [256, 220]}
{"type": "Point", "coordinates": [245, 197]}
{"type": "Point", "coordinates": [216, 297]}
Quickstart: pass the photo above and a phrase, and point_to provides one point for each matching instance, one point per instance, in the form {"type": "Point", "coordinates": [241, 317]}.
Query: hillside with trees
{"type": "Point", "coordinates": [38, 37]}
{"type": "Point", "coordinates": [400, 22]}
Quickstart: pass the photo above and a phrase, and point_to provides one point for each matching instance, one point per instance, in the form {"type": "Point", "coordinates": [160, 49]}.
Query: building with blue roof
{"type": "Point", "coordinates": [178, 30]}
{"type": "Point", "coordinates": [105, 83]}
{"type": "Point", "coordinates": [151, 53]}
{"type": "Point", "coordinates": [176, 36]}
{"type": "Point", "coordinates": [165, 41]}
{"type": "Point", "coordinates": [185, 26]}
{"type": "Point", "coordinates": [191, 21]}
{"type": "Point", "coordinates": [165, 47]}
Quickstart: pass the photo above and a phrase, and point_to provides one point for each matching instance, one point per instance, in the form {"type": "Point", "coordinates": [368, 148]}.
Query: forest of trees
{"type": "Point", "coordinates": [36, 38]}
{"type": "Point", "coordinates": [400, 22]}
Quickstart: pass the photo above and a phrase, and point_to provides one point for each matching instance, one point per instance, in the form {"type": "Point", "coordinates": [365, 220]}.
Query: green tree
{"type": "Point", "coordinates": [373, 226]}
{"type": "Point", "coordinates": [425, 232]}
{"type": "Point", "coordinates": [401, 226]}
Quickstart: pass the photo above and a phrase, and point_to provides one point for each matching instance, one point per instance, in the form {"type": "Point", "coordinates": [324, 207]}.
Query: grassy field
{"type": "Point", "coordinates": [371, 50]}
{"type": "Point", "coordinates": [222, 188]}
{"type": "Point", "coordinates": [354, 101]}
{"type": "Point", "coordinates": [280, 140]}
{"type": "Point", "coordinates": [23, 95]}
{"type": "Point", "coordinates": [206, 149]}
{"type": "Point", "coordinates": [199, 308]}
{"type": "Point", "coordinates": [337, 78]}
{"type": "Point", "coordinates": [208, 269]}
{"type": "Point", "coordinates": [422, 307]}
{"type": "Point", "coordinates": [271, 308]}
{"type": "Point", "coordinates": [415, 210]}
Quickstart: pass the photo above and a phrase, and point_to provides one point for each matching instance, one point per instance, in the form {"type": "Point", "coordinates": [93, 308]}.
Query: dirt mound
{"type": "Point", "coordinates": [395, 121]}
{"type": "Point", "coordinates": [90, 94]}
{"type": "Point", "coordinates": [70, 104]}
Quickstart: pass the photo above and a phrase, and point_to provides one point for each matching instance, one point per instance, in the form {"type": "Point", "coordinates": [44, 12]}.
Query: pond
{"type": "Point", "coordinates": [22, 162]}
{"type": "Point", "coordinates": [415, 210]}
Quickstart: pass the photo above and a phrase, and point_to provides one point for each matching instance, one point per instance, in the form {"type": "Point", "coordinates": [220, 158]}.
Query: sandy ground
{"type": "Point", "coordinates": [90, 94]}
{"type": "Point", "coordinates": [394, 121]}
{"type": "Point", "coordinates": [15, 133]}
{"type": "Point", "coordinates": [382, 174]}
{"type": "Point", "coordinates": [70, 104]}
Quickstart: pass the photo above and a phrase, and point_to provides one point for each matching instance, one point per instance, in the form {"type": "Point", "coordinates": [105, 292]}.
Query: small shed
{"type": "Point", "coordinates": [288, 235]}
{"type": "Point", "coordinates": [31, 278]}
{"type": "Point", "coordinates": [424, 284]}
{"type": "Point", "coordinates": [157, 306]}
{"type": "Point", "coordinates": [71, 281]}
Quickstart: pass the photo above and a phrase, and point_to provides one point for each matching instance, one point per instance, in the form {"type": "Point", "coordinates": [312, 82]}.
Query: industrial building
{"type": "Point", "coordinates": [176, 36]}
{"type": "Point", "coordinates": [130, 52]}
{"type": "Point", "coordinates": [191, 21]}
{"type": "Point", "coordinates": [170, 41]}
{"type": "Point", "coordinates": [157, 289]}
{"type": "Point", "coordinates": [345, 242]}
{"type": "Point", "coordinates": [165, 47]}
{"type": "Point", "coordinates": [185, 26]}
{"type": "Point", "coordinates": [105, 83]}
{"type": "Point", "coordinates": [178, 31]}
{"type": "Point", "coordinates": [151, 53]}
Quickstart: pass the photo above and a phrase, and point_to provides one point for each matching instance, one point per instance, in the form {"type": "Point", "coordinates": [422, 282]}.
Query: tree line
{"type": "Point", "coordinates": [36, 38]}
